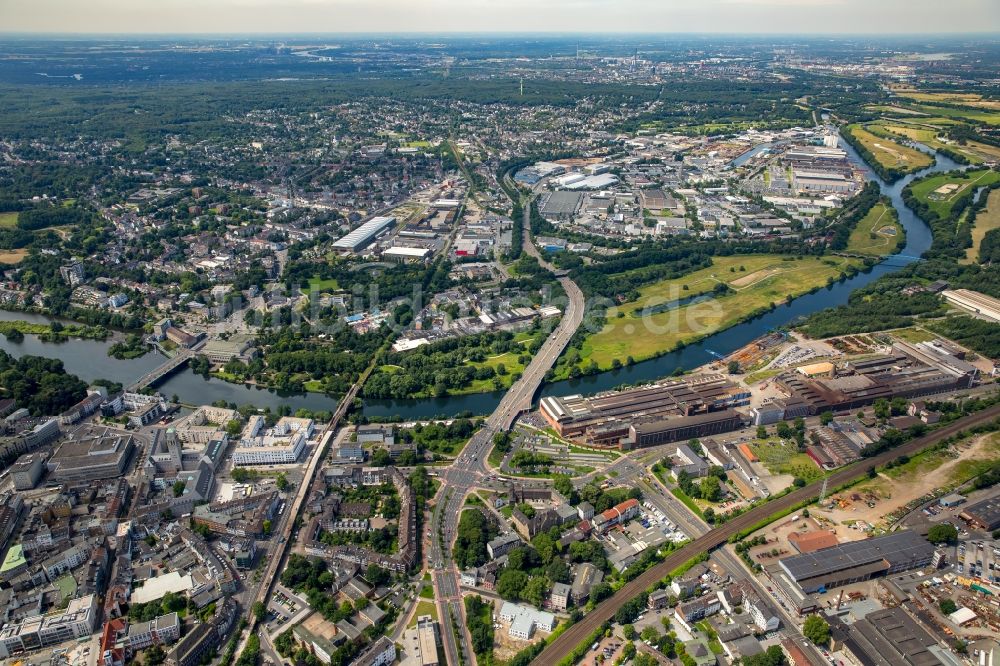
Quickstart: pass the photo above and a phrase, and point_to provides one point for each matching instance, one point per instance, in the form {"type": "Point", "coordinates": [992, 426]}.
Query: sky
{"type": "Point", "coordinates": [441, 16]}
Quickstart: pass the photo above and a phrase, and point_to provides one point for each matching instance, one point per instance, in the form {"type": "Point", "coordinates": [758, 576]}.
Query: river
{"type": "Point", "coordinates": [89, 359]}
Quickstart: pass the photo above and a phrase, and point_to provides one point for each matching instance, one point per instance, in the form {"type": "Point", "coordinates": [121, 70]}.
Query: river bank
{"type": "Point", "coordinates": [89, 358]}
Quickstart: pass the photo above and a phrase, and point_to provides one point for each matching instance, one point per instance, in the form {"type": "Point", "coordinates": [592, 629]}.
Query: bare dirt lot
{"type": "Point", "coordinates": [895, 488]}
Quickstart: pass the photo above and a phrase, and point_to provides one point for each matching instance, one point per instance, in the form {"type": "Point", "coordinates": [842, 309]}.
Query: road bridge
{"type": "Point", "coordinates": [172, 363]}
{"type": "Point", "coordinates": [469, 468]}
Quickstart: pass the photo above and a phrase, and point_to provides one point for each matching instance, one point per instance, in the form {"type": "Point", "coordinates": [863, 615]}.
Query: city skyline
{"type": "Point", "coordinates": [521, 16]}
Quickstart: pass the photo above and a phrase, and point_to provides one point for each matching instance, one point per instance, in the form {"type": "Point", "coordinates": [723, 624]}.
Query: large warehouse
{"type": "Point", "coordinates": [911, 371]}
{"type": "Point", "coordinates": [858, 560]}
{"type": "Point", "coordinates": [985, 514]}
{"type": "Point", "coordinates": [363, 235]}
{"type": "Point", "coordinates": [664, 410]}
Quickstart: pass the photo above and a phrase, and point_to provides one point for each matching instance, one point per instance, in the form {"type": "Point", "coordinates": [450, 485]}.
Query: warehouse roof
{"type": "Point", "coordinates": [903, 545]}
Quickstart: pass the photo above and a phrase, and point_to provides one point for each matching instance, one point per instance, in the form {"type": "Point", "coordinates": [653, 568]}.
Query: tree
{"type": "Point", "coordinates": [259, 610]}
{"type": "Point", "coordinates": [816, 629]}
{"type": "Point", "coordinates": [376, 575]}
{"type": "Point", "coordinates": [546, 546]}
{"type": "Point", "coordinates": [942, 533]}
{"type": "Point", "coordinates": [266, 527]}
{"type": "Point", "coordinates": [710, 490]}
{"type": "Point", "coordinates": [826, 418]}
{"type": "Point", "coordinates": [511, 583]}
{"type": "Point", "coordinates": [381, 458]}
{"type": "Point", "coordinates": [154, 655]}
{"type": "Point", "coordinates": [281, 482]}
{"type": "Point", "coordinates": [649, 634]}
{"type": "Point", "coordinates": [761, 432]}
{"type": "Point", "coordinates": [947, 606]}
{"type": "Point", "coordinates": [536, 591]}
{"type": "Point", "coordinates": [709, 515]}
{"type": "Point", "coordinates": [733, 367]}
{"type": "Point", "coordinates": [178, 488]}
{"type": "Point", "coordinates": [233, 427]}
{"type": "Point", "coordinates": [628, 631]}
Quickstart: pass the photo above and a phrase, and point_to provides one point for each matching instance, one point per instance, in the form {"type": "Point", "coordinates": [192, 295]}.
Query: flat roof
{"type": "Point", "coordinates": [15, 558]}
{"type": "Point", "coordinates": [364, 233]}
{"type": "Point", "coordinates": [903, 545]}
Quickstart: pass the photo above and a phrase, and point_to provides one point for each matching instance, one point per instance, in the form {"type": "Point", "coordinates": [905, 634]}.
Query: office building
{"type": "Point", "coordinates": [27, 470]}
{"type": "Point", "coordinates": [90, 453]}
{"type": "Point", "coordinates": [38, 631]}
{"type": "Point", "coordinates": [380, 653]}
{"type": "Point", "coordinates": [163, 630]}
{"type": "Point", "coordinates": [427, 640]}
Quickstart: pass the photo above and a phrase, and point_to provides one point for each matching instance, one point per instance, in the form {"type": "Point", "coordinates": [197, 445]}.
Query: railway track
{"type": "Point", "coordinates": [568, 640]}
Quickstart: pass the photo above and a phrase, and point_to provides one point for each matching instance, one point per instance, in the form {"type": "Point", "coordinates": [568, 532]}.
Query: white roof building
{"type": "Point", "coordinates": [364, 234]}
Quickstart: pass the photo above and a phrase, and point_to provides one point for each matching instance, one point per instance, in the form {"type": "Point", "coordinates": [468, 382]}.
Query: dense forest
{"type": "Point", "coordinates": [40, 385]}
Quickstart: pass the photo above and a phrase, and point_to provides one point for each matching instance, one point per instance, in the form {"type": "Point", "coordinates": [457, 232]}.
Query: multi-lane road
{"type": "Point", "coordinates": [568, 640]}
{"type": "Point", "coordinates": [469, 468]}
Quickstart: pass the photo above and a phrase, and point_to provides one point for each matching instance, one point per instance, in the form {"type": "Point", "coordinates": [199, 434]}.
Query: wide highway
{"type": "Point", "coordinates": [469, 469]}
{"type": "Point", "coordinates": [567, 642]}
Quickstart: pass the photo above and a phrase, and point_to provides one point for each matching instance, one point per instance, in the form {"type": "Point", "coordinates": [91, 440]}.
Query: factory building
{"type": "Point", "coordinates": [911, 371]}
{"type": "Point", "coordinates": [667, 410]}
{"type": "Point", "coordinates": [985, 514]}
{"type": "Point", "coordinates": [363, 235]}
{"type": "Point", "coordinates": [981, 304]}
{"type": "Point", "coordinates": [858, 561]}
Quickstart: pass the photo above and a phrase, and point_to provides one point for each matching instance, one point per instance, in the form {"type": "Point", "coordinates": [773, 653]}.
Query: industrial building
{"type": "Point", "coordinates": [888, 637]}
{"type": "Point", "coordinates": [985, 514]}
{"type": "Point", "coordinates": [858, 560]}
{"type": "Point", "coordinates": [911, 371]}
{"type": "Point", "coordinates": [973, 301]}
{"type": "Point", "coordinates": [659, 413]}
{"type": "Point", "coordinates": [561, 205]}
{"type": "Point", "coordinates": [666, 430]}
{"type": "Point", "coordinates": [363, 235]}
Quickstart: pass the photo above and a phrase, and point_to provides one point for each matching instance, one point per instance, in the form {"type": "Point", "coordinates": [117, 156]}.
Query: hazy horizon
{"type": "Point", "coordinates": [331, 17]}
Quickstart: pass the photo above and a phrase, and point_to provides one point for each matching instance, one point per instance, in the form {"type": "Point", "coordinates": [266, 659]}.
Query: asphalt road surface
{"type": "Point", "coordinates": [568, 640]}
{"type": "Point", "coordinates": [469, 469]}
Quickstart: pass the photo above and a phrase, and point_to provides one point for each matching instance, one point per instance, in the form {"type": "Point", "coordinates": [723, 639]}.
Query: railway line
{"type": "Point", "coordinates": [576, 634]}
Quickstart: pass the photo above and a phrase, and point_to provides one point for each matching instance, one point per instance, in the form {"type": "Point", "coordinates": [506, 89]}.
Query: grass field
{"type": "Point", "coordinates": [890, 154]}
{"type": "Point", "coordinates": [11, 257]}
{"type": "Point", "coordinates": [943, 203]}
{"type": "Point", "coordinates": [756, 281]}
{"type": "Point", "coordinates": [785, 458]}
{"type": "Point", "coordinates": [914, 334]}
{"type": "Point", "coordinates": [990, 117]}
{"type": "Point", "coordinates": [987, 220]}
{"type": "Point", "coordinates": [974, 151]}
{"type": "Point", "coordinates": [424, 608]}
{"type": "Point", "coordinates": [316, 284]}
{"type": "Point", "coordinates": [8, 220]}
{"type": "Point", "coordinates": [878, 233]}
